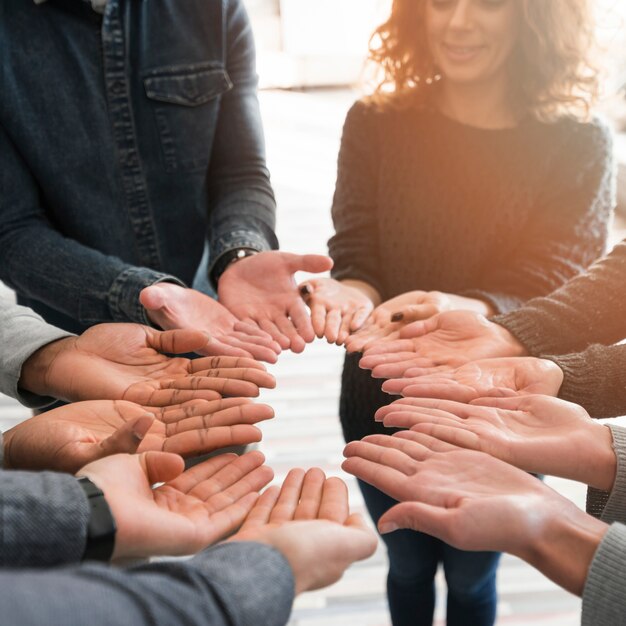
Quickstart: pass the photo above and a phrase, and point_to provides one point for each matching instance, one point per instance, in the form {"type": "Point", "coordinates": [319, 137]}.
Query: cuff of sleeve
{"type": "Point", "coordinates": [604, 600]}
{"type": "Point", "coordinates": [499, 302]}
{"type": "Point", "coordinates": [123, 297]}
{"type": "Point", "coordinates": [614, 509]}
{"type": "Point", "coordinates": [44, 518]}
{"type": "Point", "coordinates": [261, 575]}
{"type": "Point", "coordinates": [12, 370]}
{"type": "Point", "coordinates": [525, 328]}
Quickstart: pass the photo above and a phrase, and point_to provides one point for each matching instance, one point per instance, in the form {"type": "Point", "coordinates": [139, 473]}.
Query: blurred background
{"type": "Point", "coordinates": [311, 66]}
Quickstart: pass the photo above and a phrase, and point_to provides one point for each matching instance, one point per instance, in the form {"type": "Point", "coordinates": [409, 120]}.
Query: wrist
{"type": "Point", "coordinates": [600, 461]}
{"type": "Point", "coordinates": [227, 260]}
{"type": "Point", "coordinates": [514, 346]}
{"type": "Point", "coordinates": [565, 546]}
{"type": "Point", "coordinates": [365, 288]}
{"type": "Point", "coordinates": [101, 529]}
{"type": "Point", "coordinates": [37, 375]}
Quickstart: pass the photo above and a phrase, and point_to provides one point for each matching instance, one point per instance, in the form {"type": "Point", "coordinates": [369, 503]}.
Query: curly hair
{"type": "Point", "coordinates": [552, 63]}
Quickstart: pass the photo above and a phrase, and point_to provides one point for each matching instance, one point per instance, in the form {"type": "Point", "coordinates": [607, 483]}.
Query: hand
{"type": "Point", "coordinates": [126, 361]}
{"type": "Point", "coordinates": [473, 501]}
{"type": "Point", "coordinates": [71, 436]}
{"type": "Point", "coordinates": [192, 510]}
{"type": "Point", "coordinates": [447, 341]}
{"type": "Point", "coordinates": [172, 306]}
{"type": "Point", "coordinates": [309, 522]}
{"type": "Point", "coordinates": [535, 433]}
{"type": "Point", "coordinates": [261, 290]}
{"type": "Point", "coordinates": [337, 308]}
{"type": "Point", "coordinates": [391, 316]}
{"type": "Point", "coordinates": [488, 377]}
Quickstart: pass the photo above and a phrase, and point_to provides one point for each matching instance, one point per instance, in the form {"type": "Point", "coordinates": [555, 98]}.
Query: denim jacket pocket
{"type": "Point", "coordinates": [186, 110]}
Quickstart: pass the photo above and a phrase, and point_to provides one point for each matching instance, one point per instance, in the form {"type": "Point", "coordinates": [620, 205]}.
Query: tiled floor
{"type": "Point", "coordinates": [302, 138]}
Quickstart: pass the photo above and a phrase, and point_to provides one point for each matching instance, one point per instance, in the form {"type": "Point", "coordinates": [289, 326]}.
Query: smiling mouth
{"type": "Point", "coordinates": [461, 53]}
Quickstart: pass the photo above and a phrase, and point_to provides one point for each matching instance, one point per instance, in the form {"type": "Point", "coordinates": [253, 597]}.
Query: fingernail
{"type": "Point", "coordinates": [397, 317]}
{"type": "Point", "coordinates": [305, 290]}
{"type": "Point", "coordinates": [389, 527]}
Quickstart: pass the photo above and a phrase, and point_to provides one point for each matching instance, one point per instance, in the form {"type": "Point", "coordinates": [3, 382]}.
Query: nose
{"type": "Point", "coordinates": [462, 15]}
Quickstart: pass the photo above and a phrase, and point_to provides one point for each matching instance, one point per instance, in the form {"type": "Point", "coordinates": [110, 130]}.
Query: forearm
{"type": "Point", "coordinates": [595, 379]}
{"type": "Point", "coordinates": [365, 288]}
{"type": "Point", "coordinates": [23, 334]}
{"type": "Point", "coordinates": [44, 519]}
{"type": "Point", "coordinates": [231, 585]}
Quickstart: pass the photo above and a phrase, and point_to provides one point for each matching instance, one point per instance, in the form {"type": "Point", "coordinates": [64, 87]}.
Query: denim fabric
{"type": "Point", "coordinates": [413, 561]}
{"type": "Point", "coordinates": [129, 143]}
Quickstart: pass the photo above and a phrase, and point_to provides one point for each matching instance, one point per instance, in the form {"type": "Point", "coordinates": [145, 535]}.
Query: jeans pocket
{"type": "Point", "coordinates": [187, 100]}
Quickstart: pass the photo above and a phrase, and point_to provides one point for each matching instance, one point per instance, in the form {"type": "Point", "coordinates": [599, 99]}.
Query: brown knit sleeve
{"type": "Point", "coordinates": [354, 247]}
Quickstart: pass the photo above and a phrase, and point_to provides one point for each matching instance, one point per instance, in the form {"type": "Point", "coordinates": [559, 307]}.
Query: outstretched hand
{"type": "Point", "coordinates": [487, 377]}
{"type": "Point", "coordinates": [193, 509]}
{"type": "Point", "coordinates": [71, 436]}
{"type": "Point", "coordinates": [171, 306]}
{"type": "Point", "coordinates": [309, 522]}
{"type": "Point", "coordinates": [445, 341]}
{"type": "Point", "coordinates": [474, 501]}
{"type": "Point", "coordinates": [261, 291]}
{"type": "Point", "coordinates": [535, 433]}
{"type": "Point", "coordinates": [129, 362]}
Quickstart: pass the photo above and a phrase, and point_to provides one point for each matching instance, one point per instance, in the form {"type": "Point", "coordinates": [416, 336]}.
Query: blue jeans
{"type": "Point", "coordinates": [413, 561]}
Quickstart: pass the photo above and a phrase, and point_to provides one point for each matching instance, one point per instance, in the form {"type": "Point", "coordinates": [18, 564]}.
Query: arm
{"type": "Point", "coordinates": [235, 584]}
{"type": "Point", "coordinates": [22, 333]}
{"type": "Point", "coordinates": [354, 247]}
{"type": "Point", "coordinates": [568, 229]}
{"type": "Point", "coordinates": [242, 206]}
{"type": "Point", "coordinates": [86, 285]}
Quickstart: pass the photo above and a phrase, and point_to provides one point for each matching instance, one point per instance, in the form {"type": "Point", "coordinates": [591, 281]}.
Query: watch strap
{"type": "Point", "coordinates": [101, 528]}
{"type": "Point", "coordinates": [226, 259]}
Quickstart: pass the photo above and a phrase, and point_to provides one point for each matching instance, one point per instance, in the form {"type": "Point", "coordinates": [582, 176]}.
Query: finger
{"type": "Point", "coordinates": [397, 370]}
{"type": "Point", "coordinates": [302, 321]}
{"type": "Point", "coordinates": [419, 329]}
{"type": "Point", "coordinates": [344, 329]}
{"type": "Point", "coordinates": [222, 363]}
{"type": "Point", "coordinates": [203, 440]}
{"type": "Point", "coordinates": [161, 467]}
{"type": "Point", "coordinates": [202, 471]}
{"type": "Point", "coordinates": [125, 439]}
{"type": "Point", "coordinates": [384, 478]}
{"type": "Point", "coordinates": [248, 348]}
{"type": "Point", "coordinates": [260, 514]}
{"type": "Point", "coordinates": [217, 347]}
{"type": "Point", "coordinates": [359, 318]}
{"type": "Point", "coordinates": [432, 520]}
{"type": "Point", "coordinates": [312, 263]}
{"type": "Point", "coordinates": [457, 436]}
{"type": "Point", "coordinates": [414, 313]}
{"type": "Point", "coordinates": [376, 360]}
{"type": "Point", "coordinates": [437, 406]}
{"type": "Point", "coordinates": [169, 397]}
{"type": "Point", "coordinates": [388, 348]}
{"type": "Point", "coordinates": [232, 416]}
{"type": "Point", "coordinates": [381, 455]}
{"type": "Point", "coordinates": [259, 378]}
{"type": "Point", "coordinates": [334, 503]}
{"type": "Point", "coordinates": [172, 414]}
{"type": "Point", "coordinates": [311, 495]}
{"type": "Point", "coordinates": [395, 386]}
{"type": "Point", "coordinates": [178, 341]}
{"type": "Point", "coordinates": [286, 327]}
{"type": "Point", "coordinates": [408, 419]}
{"type": "Point", "coordinates": [318, 319]}
{"type": "Point", "coordinates": [511, 403]}
{"type": "Point", "coordinates": [289, 497]}
{"type": "Point", "coordinates": [249, 327]}
{"type": "Point", "coordinates": [407, 446]}
{"type": "Point", "coordinates": [249, 482]}
{"type": "Point", "coordinates": [426, 441]}
{"type": "Point", "coordinates": [333, 323]}
{"type": "Point", "coordinates": [223, 386]}
{"type": "Point", "coordinates": [272, 329]}
{"type": "Point", "coordinates": [447, 391]}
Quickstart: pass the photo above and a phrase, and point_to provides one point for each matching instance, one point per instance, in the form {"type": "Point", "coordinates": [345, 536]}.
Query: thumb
{"type": "Point", "coordinates": [414, 313]}
{"type": "Point", "coordinates": [418, 329]}
{"type": "Point", "coordinates": [314, 263]}
{"type": "Point", "coordinates": [415, 516]}
{"type": "Point", "coordinates": [161, 467]}
{"type": "Point", "coordinates": [125, 439]}
{"type": "Point", "coordinates": [152, 298]}
{"type": "Point", "coordinates": [178, 341]}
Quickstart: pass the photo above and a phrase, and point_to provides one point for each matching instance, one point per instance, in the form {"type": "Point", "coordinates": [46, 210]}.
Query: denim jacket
{"type": "Point", "coordinates": [131, 150]}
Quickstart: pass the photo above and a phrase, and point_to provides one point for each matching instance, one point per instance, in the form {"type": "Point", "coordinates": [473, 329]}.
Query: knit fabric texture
{"type": "Point", "coordinates": [424, 202]}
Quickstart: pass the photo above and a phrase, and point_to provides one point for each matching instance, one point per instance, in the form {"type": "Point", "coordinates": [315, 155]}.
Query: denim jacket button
{"type": "Point", "coordinates": [117, 88]}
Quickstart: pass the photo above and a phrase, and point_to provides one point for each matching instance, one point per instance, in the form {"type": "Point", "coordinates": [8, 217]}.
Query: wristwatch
{"type": "Point", "coordinates": [102, 528]}
{"type": "Point", "coordinates": [227, 259]}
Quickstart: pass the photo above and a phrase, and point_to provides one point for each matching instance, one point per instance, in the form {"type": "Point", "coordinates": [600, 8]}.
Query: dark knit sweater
{"type": "Point", "coordinates": [589, 309]}
{"type": "Point", "coordinates": [423, 202]}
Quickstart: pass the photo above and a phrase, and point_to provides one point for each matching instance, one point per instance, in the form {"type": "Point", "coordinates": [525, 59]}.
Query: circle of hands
{"type": "Point", "coordinates": [475, 416]}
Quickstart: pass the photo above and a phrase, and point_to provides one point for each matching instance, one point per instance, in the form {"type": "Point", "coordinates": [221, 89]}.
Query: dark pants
{"type": "Point", "coordinates": [413, 561]}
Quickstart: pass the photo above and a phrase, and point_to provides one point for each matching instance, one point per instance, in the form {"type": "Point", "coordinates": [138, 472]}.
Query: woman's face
{"type": "Point", "coordinates": [472, 40]}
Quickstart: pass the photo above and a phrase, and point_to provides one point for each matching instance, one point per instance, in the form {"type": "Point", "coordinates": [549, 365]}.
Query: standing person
{"type": "Point", "coordinates": [132, 162]}
{"type": "Point", "coordinates": [475, 176]}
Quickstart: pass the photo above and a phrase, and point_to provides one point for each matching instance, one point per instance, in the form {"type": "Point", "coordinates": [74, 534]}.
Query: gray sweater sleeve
{"type": "Point", "coordinates": [595, 379]}
{"type": "Point", "coordinates": [233, 584]}
{"type": "Point", "coordinates": [22, 333]}
{"type": "Point", "coordinates": [43, 518]}
{"type": "Point", "coordinates": [604, 595]}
